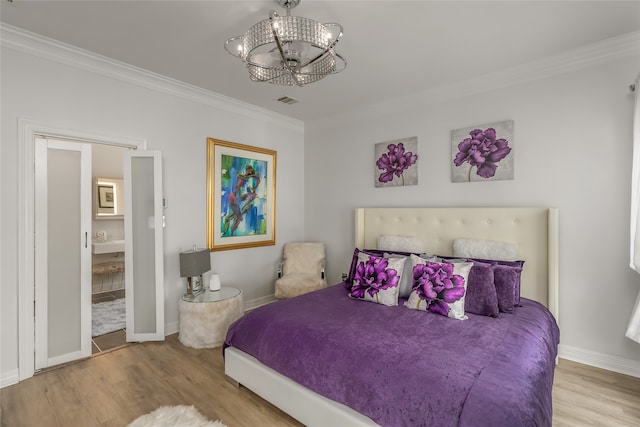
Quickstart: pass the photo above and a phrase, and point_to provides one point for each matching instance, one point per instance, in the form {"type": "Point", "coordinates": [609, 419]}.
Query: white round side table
{"type": "Point", "coordinates": [205, 318]}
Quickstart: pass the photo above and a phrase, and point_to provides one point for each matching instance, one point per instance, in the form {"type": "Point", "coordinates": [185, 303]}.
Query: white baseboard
{"type": "Point", "coordinates": [171, 328]}
{"type": "Point", "coordinates": [257, 302]}
{"type": "Point", "coordinates": [9, 378]}
{"type": "Point", "coordinates": [600, 360]}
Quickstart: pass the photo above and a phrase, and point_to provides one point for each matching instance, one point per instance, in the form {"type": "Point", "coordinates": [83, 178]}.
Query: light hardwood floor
{"type": "Point", "coordinates": [588, 396]}
{"type": "Point", "coordinates": [114, 388]}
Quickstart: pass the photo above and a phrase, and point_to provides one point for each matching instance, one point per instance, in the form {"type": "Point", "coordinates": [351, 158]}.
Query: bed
{"type": "Point", "coordinates": [331, 360]}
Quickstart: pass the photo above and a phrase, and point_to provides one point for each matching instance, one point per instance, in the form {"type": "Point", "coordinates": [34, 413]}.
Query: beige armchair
{"type": "Point", "coordinates": [302, 269]}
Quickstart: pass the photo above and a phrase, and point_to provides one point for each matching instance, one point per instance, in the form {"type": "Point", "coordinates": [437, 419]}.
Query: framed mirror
{"type": "Point", "coordinates": [109, 198]}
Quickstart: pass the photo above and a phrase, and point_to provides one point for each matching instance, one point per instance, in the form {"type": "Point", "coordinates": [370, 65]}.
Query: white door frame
{"type": "Point", "coordinates": [27, 131]}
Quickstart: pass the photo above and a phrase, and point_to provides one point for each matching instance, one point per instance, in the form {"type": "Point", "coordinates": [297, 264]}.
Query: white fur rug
{"type": "Point", "coordinates": [174, 416]}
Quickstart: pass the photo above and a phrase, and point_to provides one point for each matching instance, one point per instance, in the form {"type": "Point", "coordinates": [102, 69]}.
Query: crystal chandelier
{"type": "Point", "coordinates": [289, 50]}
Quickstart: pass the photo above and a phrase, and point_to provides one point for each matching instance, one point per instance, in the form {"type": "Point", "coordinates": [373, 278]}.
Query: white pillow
{"type": "Point", "coordinates": [486, 249]}
{"type": "Point", "coordinates": [400, 243]}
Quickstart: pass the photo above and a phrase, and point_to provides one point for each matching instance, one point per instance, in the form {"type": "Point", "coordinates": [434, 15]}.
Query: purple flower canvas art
{"type": "Point", "coordinates": [483, 153]}
{"type": "Point", "coordinates": [396, 163]}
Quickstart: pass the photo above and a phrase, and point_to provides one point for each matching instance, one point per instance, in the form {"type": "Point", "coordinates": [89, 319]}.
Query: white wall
{"type": "Point", "coordinates": [572, 150]}
{"type": "Point", "coordinates": [107, 162]}
{"type": "Point", "coordinates": [108, 102]}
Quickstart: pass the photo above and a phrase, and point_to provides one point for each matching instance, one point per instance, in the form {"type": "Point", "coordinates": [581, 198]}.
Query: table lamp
{"type": "Point", "coordinates": [192, 264]}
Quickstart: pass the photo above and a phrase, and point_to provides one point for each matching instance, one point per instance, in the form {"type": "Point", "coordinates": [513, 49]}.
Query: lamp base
{"type": "Point", "coordinates": [194, 286]}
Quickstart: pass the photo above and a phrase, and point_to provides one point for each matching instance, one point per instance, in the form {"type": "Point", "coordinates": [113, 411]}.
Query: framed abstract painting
{"type": "Point", "coordinates": [483, 153]}
{"type": "Point", "coordinates": [241, 191]}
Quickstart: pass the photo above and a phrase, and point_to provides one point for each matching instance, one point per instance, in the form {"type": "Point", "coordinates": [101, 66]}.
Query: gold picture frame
{"type": "Point", "coordinates": [241, 196]}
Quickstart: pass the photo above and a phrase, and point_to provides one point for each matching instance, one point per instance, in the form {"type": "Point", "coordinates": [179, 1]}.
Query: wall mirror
{"type": "Point", "coordinates": [109, 198]}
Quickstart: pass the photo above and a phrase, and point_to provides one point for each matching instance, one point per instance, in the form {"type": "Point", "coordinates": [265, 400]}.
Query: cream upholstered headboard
{"type": "Point", "coordinates": [534, 230]}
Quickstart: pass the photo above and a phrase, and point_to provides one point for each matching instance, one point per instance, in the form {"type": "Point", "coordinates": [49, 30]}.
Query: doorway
{"type": "Point", "coordinates": [79, 198]}
{"type": "Point", "coordinates": [108, 296]}
{"type": "Point", "coordinates": [29, 298]}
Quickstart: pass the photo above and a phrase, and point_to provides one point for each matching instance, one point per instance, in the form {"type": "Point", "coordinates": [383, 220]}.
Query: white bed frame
{"type": "Point", "coordinates": [534, 230]}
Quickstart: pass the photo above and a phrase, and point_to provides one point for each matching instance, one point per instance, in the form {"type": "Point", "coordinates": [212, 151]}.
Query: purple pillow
{"type": "Point", "coordinates": [517, 266]}
{"type": "Point", "coordinates": [481, 297]}
{"type": "Point", "coordinates": [507, 280]}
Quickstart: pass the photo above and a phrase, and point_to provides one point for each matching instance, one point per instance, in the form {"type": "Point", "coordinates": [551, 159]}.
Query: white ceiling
{"type": "Point", "coordinates": [393, 48]}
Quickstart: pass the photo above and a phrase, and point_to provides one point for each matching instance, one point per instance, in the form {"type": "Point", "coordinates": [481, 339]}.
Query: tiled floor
{"type": "Point", "coordinates": [108, 341]}
{"type": "Point", "coordinates": [111, 340]}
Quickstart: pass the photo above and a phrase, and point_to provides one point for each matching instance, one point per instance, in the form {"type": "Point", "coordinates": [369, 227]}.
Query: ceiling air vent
{"type": "Point", "coordinates": [287, 100]}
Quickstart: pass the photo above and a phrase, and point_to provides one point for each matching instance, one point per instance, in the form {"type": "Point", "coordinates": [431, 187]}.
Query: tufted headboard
{"type": "Point", "coordinates": [534, 230]}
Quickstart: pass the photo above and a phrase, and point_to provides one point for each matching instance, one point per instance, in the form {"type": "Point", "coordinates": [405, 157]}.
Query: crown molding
{"type": "Point", "coordinates": [587, 56]}
{"type": "Point", "coordinates": [34, 44]}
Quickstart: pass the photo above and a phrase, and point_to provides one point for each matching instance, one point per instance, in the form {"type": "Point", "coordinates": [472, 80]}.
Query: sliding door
{"type": "Point", "coordinates": [62, 251]}
{"type": "Point", "coordinates": [143, 226]}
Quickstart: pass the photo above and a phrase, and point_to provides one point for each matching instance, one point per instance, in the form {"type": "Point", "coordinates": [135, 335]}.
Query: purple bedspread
{"type": "Point", "coordinates": [403, 367]}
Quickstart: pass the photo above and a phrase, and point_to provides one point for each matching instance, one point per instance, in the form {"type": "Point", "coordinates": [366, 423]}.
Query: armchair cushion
{"type": "Point", "coordinates": [302, 269]}
{"type": "Point", "coordinates": [292, 285]}
{"type": "Point", "coordinates": [303, 257]}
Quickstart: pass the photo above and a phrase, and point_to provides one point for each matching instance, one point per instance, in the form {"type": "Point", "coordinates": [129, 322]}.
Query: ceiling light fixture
{"type": "Point", "coordinates": [289, 50]}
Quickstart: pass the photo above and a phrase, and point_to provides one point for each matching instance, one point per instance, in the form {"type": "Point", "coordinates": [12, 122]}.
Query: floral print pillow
{"type": "Point", "coordinates": [439, 287]}
{"type": "Point", "coordinates": [377, 279]}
